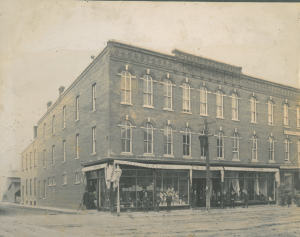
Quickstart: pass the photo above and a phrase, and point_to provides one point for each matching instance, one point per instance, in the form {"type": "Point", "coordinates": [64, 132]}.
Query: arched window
{"type": "Point", "coordinates": [271, 148]}
{"type": "Point", "coordinates": [235, 147]}
{"type": "Point", "coordinates": [148, 91]}
{"type": "Point", "coordinates": [186, 97]}
{"type": "Point", "coordinates": [187, 142]}
{"type": "Point", "coordinates": [220, 146]}
{"type": "Point", "coordinates": [219, 104]}
{"type": "Point", "coordinates": [286, 115]}
{"type": "Point", "coordinates": [270, 112]}
{"type": "Point", "coordinates": [203, 101]}
{"type": "Point", "coordinates": [126, 87]}
{"type": "Point", "coordinates": [148, 139]}
{"type": "Point", "coordinates": [168, 147]}
{"type": "Point", "coordinates": [167, 94]}
{"type": "Point", "coordinates": [234, 106]}
{"type": "Point", "coordinates": [254, 147]}
{"type": "Point", "coordinates": [253, 103]}
{"type": "Point", "coordinates": [126, 136]}
{"type": "Point", "coordinates": [286, 149]}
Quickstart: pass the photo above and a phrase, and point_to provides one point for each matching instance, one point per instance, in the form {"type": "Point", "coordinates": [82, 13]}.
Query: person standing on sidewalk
{"type": "Point", "coordinates": [145, 201]}
{"type": "Point", "coordinates": [224, 200]}
{"type": "Point", "coordinates": [289, 199]}
{"type": "Point", "coordinates": [213, 199]}
{"type": "Point", "coordinates": [195, 198]}
{"type": "Point", "coordinates": [169, 200]}
{"type": "Point", "coordinates": [232, 196]}
{"type": "Point", "coordinates": [246, 198]}
{"type": "Point", "coordinates": [157, 202]}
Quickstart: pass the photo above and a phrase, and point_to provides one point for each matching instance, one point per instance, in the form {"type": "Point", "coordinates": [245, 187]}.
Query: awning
{"type": "Point", "coordinates": [251, 169]}
{"type": "Point", "coordinates": [94, 167]}
{"type": "Point", "coordinates": [154, 166]}
{"type": "Point", "coordinates": [212, 168]}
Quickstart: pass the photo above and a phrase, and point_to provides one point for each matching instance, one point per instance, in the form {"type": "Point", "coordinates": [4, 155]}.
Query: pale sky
{"type": "Point", "coordinates": [47, 44]}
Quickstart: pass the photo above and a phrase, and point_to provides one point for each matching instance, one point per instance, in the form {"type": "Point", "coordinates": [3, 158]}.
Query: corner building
{"type": "Point", "coordinates": [144, 111]}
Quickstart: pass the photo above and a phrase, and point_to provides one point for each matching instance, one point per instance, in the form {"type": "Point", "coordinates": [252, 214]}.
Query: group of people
{"type": "Point", "coordinates": [89, 200]}
{"type": "Point", "coordinates": [146, 200]}
{"type": "Point", "coordinates": [224, 196]}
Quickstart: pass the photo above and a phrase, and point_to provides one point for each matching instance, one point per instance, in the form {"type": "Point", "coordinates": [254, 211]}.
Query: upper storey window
{"type": "Point", "coordinates": [298, 116]}
{"type": "Point", "coordinates": [53, 124]}
{"type": "Point", "coordinates": [220, 145]}
{"type": "Point", "coordinates": [94, 97]}
{"type": "Point", "coordinates": [287, 149]}
{"type": "Point", "coordinates": [64, 117]}
{"type": "Point", "coordinates": [148, 91]}
{"type": "Point", "coordinates": [168, 146]}
{"type": "Point", "coordinates": [234, 106]}
{"type": "Point", "coordinates": [148, 139]}
{"type": "Point", "coordinates": [253, 109]}
{"type": "Point", "coordinates": [235, 146]}
{"type": "Point", "coordinates": [167, 94]}
{"type": "Point", "coordinates": [254, 147]}
{"type": "Point", "coordinates": [187, 142]}
{"type": "Point", "coordinates": [126, 137]}
{"type": "Point", "coordinates": [270, 112]}
{"type": "Point", "coordinates": [271, 148]}
{"type": "Point", "coordinates": [203, 101]}
{"type": "Point", "coordinates": [186, 97]}
{"type": "Point", "coordinates": [219, 104]}
{"type": "Point", "coordinates": [126, 87]}
{"type": "Point", "coordinates": [77, 109]}
{"type": "Point", "coordinates": [286, 114]}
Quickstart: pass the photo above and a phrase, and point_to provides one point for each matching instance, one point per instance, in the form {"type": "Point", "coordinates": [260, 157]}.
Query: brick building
{"type": "Point", "coordinates": [144, 111]}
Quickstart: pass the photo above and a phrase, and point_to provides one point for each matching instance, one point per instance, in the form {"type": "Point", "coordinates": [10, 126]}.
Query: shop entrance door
{"type": "Point", "coordinates": [199, 185]}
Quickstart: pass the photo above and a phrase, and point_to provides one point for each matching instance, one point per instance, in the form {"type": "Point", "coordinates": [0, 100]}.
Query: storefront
{"type": "Point", "coordinates": [137, 179]}
{"type": "Point", "coordinates": [290, 181]}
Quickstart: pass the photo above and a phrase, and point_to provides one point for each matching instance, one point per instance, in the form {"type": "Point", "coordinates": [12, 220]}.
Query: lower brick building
{"type": "Point", "coordinates": [144, 112]}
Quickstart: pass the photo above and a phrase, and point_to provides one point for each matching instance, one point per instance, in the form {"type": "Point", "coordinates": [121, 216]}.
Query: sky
{"type": "Point", "coordinates": [47, 44]}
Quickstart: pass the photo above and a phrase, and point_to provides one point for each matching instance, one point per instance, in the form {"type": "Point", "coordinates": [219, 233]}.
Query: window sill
{"type": "Point", "coordinates": [205, 115]}
{"type": "Point", "coordinates": [53, 185]}
{"type": "Point", "coordinates": [237, 120]}
{"type": "Point", "coordinates": [186, 112]}
{"type": "Point", "coordinates": [93, 153]}
{"type": "Point", "coordinates": [44, 198]}
{"type": "Point", "coordinates": [93, 111]}
{"type": "Point", "coordinates": [148, 107]}
{"type": "Point", "coordinates": [220, 158]}
{"type": "Point", "coordinates": [170, 156]}
{"type": "Point", "coordinates": [254, 122]}
{"type": "Point", "coordinates": [64, 184]}
{"type": "Point", "coordinates": [236, 160]}
{"type": "Point", "coordinates": [63, 128]}
{"type": "Point", "coordinates": [77, 158]}
{"type": "Point", "coordinates": [273, 125]}
{"type": "Point", "coordinates": [53, 134]}
{"type": "Point", "coordinates": [171, 110]}
{"type": "Point", "coordinates": [187, 157]}
{"type": "Point", "coordinates": [124, 103]}
{"type": "Point", "coordinates": [148, 154]}
{"type": "Point", "coordinates": [220, 117]}
{"type": "Point", "coordinates": [203, 158]}
{"type": "Point", "coordinates": [52, 165]}
{"type": "Point", "coordinates": [77, 183]}
{"type": "Point", "coordinates": [287, 162]}
{"type": "Point", "coordinates": [285, 126]}
{"type": "Point", "coordinates": [127, 153]}
{"type": "Point", "coordinates": [271, 161]}
{"type": "Point", "coordinates": [63, 162]}
{"type": "Point", "coordinates": [254, 160]}
{"type": "Point", "coordinates": [76, 120]}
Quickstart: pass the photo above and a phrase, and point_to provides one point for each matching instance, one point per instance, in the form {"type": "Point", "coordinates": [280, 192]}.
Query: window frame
{"type": "Point", "coordinates": [64, 117]}
{"type": "Point", "coordinates": [298, 116]}
{"type": "Point", "coordinates": [253, 109]}
{"type": "Point", "coordinates": [126, 125]}
{"type": "Point", "coordinates": [44, 158]}
{"type": "Point", "coordinates": [286, 115]}
{"type": "Point", "coordinates": [148, 130]}
{"type": "Point", "coordinates": [168, 90]}
{"type": "Point", "coordinates": [187, 142]}
{"type": "Point", "coordinates": [44, 131]}
{"type": "Point", "coordinates": [53, 155]}
{"type": "Point", "coordinates": [147, 92]}
{"type": "Point", "coordinates": [34, 158]}
{"type": "Point", "coordinates": [65, 179]}
{"type": "Point", "coordinates": [254, 152]}
{"type": "Point", "coordinates": [236, 146]}
{"type": "Point", "coordinates": [34, 186]}
{"type": "Point", "coordinates": [220, 107]}
{"type": "Point", "coordinates": [30, 187]}
{"type": "Point", "coordinates": [186, 89]}
{"type": "Point", "coordinates": [53, 124]}
{"type": "Point", "coordinates": [298, 150]}
{"type": "Point", "coordinates": [168, 132]}
{"type": "Point", "coordinates": [94, 97]}
{"type": "Point", "coordinates": [220, 148]}
{"type": "Point", "coordinates": [77, 146]}
{"type": "Point", "coordinates": [30, 158]}
{"type": "Point", "coordinates": [203, 103]}
{"type": "Point", "coordinates": [270, 112]}
{"type": "Point", "coordinates": [77, 109]}
{"type": "Point", "coordinates": [94, 140]}
{"type": "Point", "coordinates": [271, 149]}
{"type": "Point", "coordinates": [77, 179]}
{"type": "Point", "coordinates": [287, 150]}
{"type": "Point", "coordinates": [45, 190]}
{"type": "Point", "coordinates": [39, 189]}
{"type": "Point", "coordinates": [126, 91]}
{"type": "Point", "coordinates": [234, 111]}
{"type": "Point", "coordinates": [64, 151]}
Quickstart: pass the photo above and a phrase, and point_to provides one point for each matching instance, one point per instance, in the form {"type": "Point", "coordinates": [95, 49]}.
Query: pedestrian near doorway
{"type": "Point", "coordinates": [289, 199]}
{"type": "Point", "coordinates": [232, 197]}
{"type": "Point", "coordinates": [224, 200]}
{"type": "Point", "coordinates": [145, 201]}
{"type": "Point", "coordinates": [169, 200]}
{"type": "Point", "coordinates": [157, 202]}
{"type": "Point", "coordinates": [195, 198]}
{"type": "Point", "coordinates": [246, 198]}
{"type": "Point", "coordinates": [213, 198]}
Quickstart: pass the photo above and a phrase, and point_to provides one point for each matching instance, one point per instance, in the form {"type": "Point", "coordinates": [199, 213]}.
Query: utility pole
{"type": "Point", "coordinates": [204, 141]}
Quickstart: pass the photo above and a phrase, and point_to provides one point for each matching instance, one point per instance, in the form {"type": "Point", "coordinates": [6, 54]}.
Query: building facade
{"type": "Point", "coordinates": [145, 112]}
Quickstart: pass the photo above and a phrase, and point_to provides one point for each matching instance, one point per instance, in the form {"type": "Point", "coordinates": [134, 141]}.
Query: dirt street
{"type": "Point", "coordinates": [255, 221]}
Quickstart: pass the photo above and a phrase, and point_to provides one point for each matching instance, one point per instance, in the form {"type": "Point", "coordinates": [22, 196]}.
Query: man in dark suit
{"type": "Point", "coordinates": [224, 200]}
{"type": "Point", "coordinates": [169, 200]}
{"type": "Point", "coordinates": [145, 201]}
{"type": "Point", "coordinates": [246, 198]}
{"type": "Point", "coordinates": [232, 197]}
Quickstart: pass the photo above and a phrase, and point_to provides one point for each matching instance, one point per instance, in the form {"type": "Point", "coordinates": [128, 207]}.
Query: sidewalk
{"type": "Point", "coordinates": [202, 211]}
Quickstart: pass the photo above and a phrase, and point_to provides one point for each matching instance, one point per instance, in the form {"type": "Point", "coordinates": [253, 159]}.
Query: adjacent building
{"type": "Point", "coordinates": [144, 112]}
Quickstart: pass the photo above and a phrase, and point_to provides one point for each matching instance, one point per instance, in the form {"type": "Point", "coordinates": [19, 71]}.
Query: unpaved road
{"type": "Point", "coordinates": [255, 221]}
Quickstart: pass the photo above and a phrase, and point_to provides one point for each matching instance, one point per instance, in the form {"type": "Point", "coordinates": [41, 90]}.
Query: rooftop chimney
{"type": "Point", "coordinates": [49, 104]}
{"type": "Point", "coordinates": [61, 90]}
{"type": "Point", "coordinates": [35, 132]}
